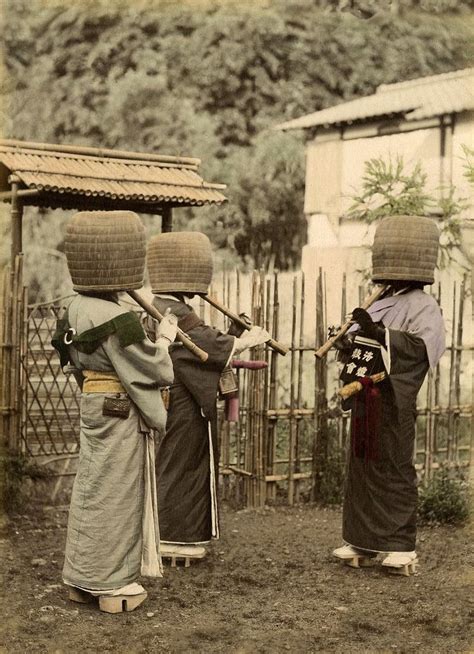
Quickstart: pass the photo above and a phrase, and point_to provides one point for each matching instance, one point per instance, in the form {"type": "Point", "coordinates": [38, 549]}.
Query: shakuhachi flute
{"type": "Point", "coordinates": [369, 300]}
{"type": "Point", "coordinates": [356, 386]}
{"type": "Point", "coordinates": [275, 345]}
{"type": "Point", "coordinates": [180, 336]}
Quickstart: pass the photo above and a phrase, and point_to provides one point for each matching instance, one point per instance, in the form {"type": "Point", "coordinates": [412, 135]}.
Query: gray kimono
{"type": "Point", "coordinates": [112, 533]}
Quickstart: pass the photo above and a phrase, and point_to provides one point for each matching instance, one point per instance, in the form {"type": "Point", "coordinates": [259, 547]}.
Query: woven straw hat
{"type": "Point", "coordinates": [105, 250]}
{"type": "Point", "coordinates": [179, 261]}
{"type": "Point", "coordinates": [405, 248]}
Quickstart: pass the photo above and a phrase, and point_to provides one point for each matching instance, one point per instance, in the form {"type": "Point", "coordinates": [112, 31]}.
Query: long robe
{"type": "Point", "coordinates": [380, 503]}
{"type": "Point", "coordinates": [187, 460]}
{"type": "Point", "coordinates": [105, 536]}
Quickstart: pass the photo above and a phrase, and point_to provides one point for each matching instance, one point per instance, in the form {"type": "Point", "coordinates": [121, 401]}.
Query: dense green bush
{"type": "Point", "coordinates": [444, 499]}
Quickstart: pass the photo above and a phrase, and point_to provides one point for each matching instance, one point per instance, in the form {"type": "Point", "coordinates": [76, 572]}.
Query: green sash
{"type": "Point", "coordinates": [127, 326]}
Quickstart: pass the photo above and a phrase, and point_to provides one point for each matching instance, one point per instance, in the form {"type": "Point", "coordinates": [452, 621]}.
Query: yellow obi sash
{"type": "Point", "coordinates": [101, 382]}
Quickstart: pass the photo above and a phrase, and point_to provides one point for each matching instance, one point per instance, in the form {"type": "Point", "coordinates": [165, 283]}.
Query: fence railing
{"type": "Point", "coordinates": [290, 440]}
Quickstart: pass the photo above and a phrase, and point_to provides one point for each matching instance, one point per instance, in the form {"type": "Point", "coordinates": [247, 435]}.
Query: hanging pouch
{"type": "Point", "coordinates": [228, 382]}
{"type": "Point", "coordinates": [116, 407]}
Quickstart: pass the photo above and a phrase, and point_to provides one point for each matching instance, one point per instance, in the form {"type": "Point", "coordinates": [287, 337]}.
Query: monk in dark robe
{"type": "Point", "coordinates": [180, 266]}
{"type": "Point", "coordinates": [380, 504]}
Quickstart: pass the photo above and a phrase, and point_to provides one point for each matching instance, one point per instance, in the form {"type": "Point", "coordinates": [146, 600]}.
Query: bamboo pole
{"type": "Point", "coordinates": [14, 372]}
{"type": "Point", "coordinates": [99, 152]}
{"type": "Point", "coordinates": [249, 460]}
{"type": "Point", "coordinates": [23, 368]}
{"type": "Point", "coordinates": [457, 368]}
{"type": "Point", "coordinates": [167, 219]}
{"type": "Point", "coordinates": [16, 213]}
{"type": "Point", "coordinates": [437, 383]}
{"type": "Point", "coordinates": [428, 454]}
{"type": "Point", "coordinates": [268, 355]}
{"type": "Point", "coordinates": [224, 432]}
{"type": "Point", "coordinates": [20, 193]}
{"type": "Point", "coordinates": [273, 395]}
{"type": "Point", "coordinates": [260, 376]}
{"type": "Point", "coordinates": [299, 388]}
{"type": "Point", "coordinates": [238, 442]}
{"type": "Point", "coordinates": [292, 435]}
{"type": "Point", "coordinates": [320, 403]}
{"type": "Point", "coordinates": [6, 355]}
{"type": "Point", "coordinates": [451, 381]}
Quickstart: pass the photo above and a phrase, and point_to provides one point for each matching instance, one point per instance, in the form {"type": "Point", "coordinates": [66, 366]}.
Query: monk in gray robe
{"type": "Point", "coordinates": [113, 534]}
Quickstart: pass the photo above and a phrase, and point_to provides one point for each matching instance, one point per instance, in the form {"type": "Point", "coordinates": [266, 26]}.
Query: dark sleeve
{"type": "Point", "coordinates": [202, 378]}
{"type": "Point", "coordinates": [409, 365]}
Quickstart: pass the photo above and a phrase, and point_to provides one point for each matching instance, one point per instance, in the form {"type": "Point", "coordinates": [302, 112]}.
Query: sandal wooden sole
{"type": "Point", "coordinates": [81, 596]}
{"type": "Point", "coordinates": [121, 603]}
{"type": "Point", "coordinates": [404, 570]}
{"type": "Point", "coordinates": [360, 562]}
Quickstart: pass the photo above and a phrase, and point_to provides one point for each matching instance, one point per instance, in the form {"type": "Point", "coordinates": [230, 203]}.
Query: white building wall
{"type": "Point", "coordinates": [335, 168]}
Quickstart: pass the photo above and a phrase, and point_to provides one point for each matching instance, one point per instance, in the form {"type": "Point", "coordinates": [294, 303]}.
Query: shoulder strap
{"type": "Point", "coordinates": [127, 326]}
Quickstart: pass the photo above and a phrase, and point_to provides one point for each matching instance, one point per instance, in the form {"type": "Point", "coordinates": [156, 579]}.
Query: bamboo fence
{"type": "Point", "coordinates": [289, 443]}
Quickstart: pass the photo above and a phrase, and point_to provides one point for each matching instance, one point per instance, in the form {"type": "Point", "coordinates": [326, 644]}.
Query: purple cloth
{"type": "Point", "coordinates": [415, 312]}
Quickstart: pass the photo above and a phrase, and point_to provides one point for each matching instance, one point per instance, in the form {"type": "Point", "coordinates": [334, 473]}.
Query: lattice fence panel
{"type": "Point", "coordinates": [51, 409]}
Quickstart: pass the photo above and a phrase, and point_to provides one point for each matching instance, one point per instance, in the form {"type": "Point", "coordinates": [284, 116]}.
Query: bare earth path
{"type": "Point", "coordinates": [269, 585]}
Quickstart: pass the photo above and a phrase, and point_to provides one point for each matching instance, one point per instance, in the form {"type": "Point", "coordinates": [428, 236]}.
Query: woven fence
{"type": "Point", "coordinates": [290, 440]}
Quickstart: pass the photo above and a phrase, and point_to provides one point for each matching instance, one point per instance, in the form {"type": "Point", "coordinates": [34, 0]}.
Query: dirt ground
{"type": "Point", "coordinates": [269, 585]}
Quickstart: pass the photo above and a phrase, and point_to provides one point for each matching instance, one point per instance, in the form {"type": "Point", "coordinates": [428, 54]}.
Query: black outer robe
{"type": "Point", "coordinates": [186, 490]}
{"type": "Point", "coordinates": [380, 501]}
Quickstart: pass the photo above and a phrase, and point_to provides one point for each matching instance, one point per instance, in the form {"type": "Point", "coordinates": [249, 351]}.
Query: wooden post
{"type": "Point", "coordinates": [167, 219]}
{"type": "Point", "coordinates": [320, 442]}
{"type": "Point", "coordinates": [16, 213]}
{"type": "Point", "coordinates": [292, 425]}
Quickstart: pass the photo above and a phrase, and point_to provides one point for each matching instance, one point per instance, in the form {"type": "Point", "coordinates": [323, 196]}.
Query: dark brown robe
{"type": "Point", "coordinates": [186, 480]}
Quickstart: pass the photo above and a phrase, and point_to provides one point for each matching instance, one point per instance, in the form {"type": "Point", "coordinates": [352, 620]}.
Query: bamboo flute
{"type": "Point", "coordinates": [275, 345]}
{"type": "Point", "coordinates": [181, 336]}
{"type": "Point", "coordinates": [369, 300]}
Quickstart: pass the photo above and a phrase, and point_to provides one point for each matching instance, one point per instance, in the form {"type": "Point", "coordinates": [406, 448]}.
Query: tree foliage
{"type": "Point", "coordinates": [207, 79]}
{"type": "Point", "coordinates": [388, 189]}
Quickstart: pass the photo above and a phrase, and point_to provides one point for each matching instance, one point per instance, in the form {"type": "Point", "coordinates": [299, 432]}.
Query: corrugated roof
{"type": "Point", "coordinates": [69, 176]}
{"type": "Point", "coordinates": [415, 99]}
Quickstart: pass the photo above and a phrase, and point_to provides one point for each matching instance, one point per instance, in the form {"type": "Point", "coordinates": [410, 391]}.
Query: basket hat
{"type": "Point", "coordinates": [106, 250]}
{"type": "Point", "coordinates": [179, 261]}
{"type": "Point", "coordinates": [405, 248]}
